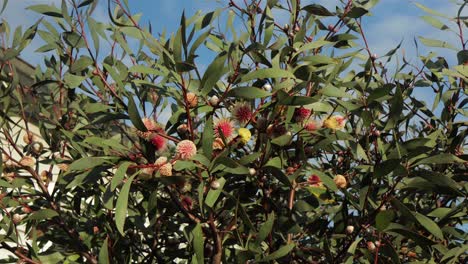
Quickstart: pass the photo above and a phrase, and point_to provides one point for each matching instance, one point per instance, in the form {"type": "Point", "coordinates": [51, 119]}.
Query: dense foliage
{"type": "Point", "coordinates": [236, 139]}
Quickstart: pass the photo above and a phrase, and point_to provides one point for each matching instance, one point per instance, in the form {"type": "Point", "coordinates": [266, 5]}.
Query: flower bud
{"type": "Point", "coordinates": [215, 185]}
{"type": "Point", "coordinates": [252, 171]}
{"type": "Point", "coordinates": [377, 244]}
{"type": "Point", "coordinates": [182, 129]}
{"type": "Point", "coordinates": [26, 210]}
{"type": "Point", "coordinates": [349, 229]}
{"type": "Point", "coordinates": [340, 181]}
{"type": "Point", "coordinates": [63, 166]}
{"type": "Point", "coordinates": [29, 137]}
{"type": "Point", "coordinates": [267, 87]}
{"type": "Point", "coordinates": [37, 147]}
{"type": "Point", "coordinates": [17, 218]}
{"type": "Point", "coordinates": [27, 161]}
{"type": "Point", "coordinates": [371, 246]}
{"type": "Point", "coordinates": [374, 56]}
{"type": "Point", "coordinates": [192, 100]}
{"type": "Point", "coordinates": [214, 100]}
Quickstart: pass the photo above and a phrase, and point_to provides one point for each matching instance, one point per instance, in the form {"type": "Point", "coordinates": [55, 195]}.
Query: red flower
{"type": "Point", "coordinates": [311, 126]}
{"type": "Point", "coordinates": [242, 112]}
{"type": "Point", "coordinates": [314, 180]}
{"type": "Point", "coordinates": [301, 114]}
{"type": "Point", "coordinates": [224, 126]}
{"type": "Point", "coordinates": [158, 142]}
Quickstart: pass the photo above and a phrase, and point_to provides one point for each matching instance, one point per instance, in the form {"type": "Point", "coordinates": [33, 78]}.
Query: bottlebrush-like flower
{"type": "Point", "coordinates": [224, 126]}
{"type": "Point", "coordinates": [311, 126]}
{"type": "Point", "coordinates": [186, 149]}
{"type": "Point", "coordinates": [314, 180]}
{"type": "Point", "coordinates": [340, 181]}
{"type": "Point", "coordinates": [301, 114]}
{"type": "Point", "coordinates": [335, 122]}
{"type": "Point", "coordinates": [166, 169]}
{"type": "Point", "coordinates": [158, 142]}
{"type": "Point", "coordinates": [27, 161]}
{"type": "Point", "coordinates": [192, 100]}
{"type": "Point", "coordinates": [244, 135]}
{"type": "Point", "coordinates": [242, 112]}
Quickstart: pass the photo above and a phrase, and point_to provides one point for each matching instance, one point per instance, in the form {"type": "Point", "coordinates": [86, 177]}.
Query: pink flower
{"type": "Point", "coordinates": [186, 149]}
{"type": "Point", "coordinates": [242, 112]}
{"type": "Point", "coordinates": [311, 126]}
{"type": "Point", "coordinates": [301, 114]}
{"type": "Point", "coordinates": [158, 142]}
{"type": "Point", "coordinates": [224, 126]}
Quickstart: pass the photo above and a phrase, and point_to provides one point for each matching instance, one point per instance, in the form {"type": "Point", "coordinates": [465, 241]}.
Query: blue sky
{"type": "Point", "coordinates": [393, 20]}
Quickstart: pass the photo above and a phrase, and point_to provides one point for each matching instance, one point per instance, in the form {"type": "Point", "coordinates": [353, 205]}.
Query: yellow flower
{"type": "Point", "coordinates": [335, 122]}
{"type": "Point", "coordinates": [244, 135]}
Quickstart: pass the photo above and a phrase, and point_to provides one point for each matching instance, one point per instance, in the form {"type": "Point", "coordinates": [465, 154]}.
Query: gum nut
{"type": "Point", "coordinates": [215, 185]}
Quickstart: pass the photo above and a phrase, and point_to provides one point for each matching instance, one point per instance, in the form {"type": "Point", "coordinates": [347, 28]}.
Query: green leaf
{"type": "Point", "coordinates": [198, 243]}
{"type": "Point", "coordinates": [135, 115]}
{"type": "Point", "coordinates": [73, 81]}
{"type": "Point", "coordinates": [88, 163]}
{"type": "Point", "coordinates": [430, 11]}
{"type": "Point", "coordinates": [429, 225]}
{"type": "Point", "coordinates": [248, 92]}
{"type": "Point", "coordinates": [317, 10]}
{"type": "Point", "coordinates": [281, 252]}
{"type": "Point", "coordinates": [357, 12]}
{"type": "Point", "coordinates": [267, 73]}
{"type": "Point", "coordinates": [103, 253]}
{"type": "Point", "coordinates": [119, 175]}
{"type": "Point", "coordinates": [282, 140]}
{"type": "Point", "coordinates": [266, 228]}
{"type": "Point", "coordinates": [435, 22]}
{"type": "Point", "coordinates": [352, 250]}
{"type": "Point", "coordinates": [43, 214]}
{"type": "Point", "coordinates": [436, 43]}
{"type": "Point", "coordinates": [399, 229]}
{"type": "Point", "coordinates": [285, 99]}
{"type": "Point", "coordinates": [443, 158]}
{"type": "Point", "coordinates": [207, 138]}
{"type": "Point", "coordinates": [145, 70]}
{"type": "Point", "coordinates": [383, 219]}
{"type": "Point", "coordinates": [213, 195]}
{"type": "Point", "coordinates": [48, 10]}
{"type": "Point", "coordinates": [462, 57]}
{"type": "Point", "coordinates": [213, 73]}
{"type": "Point", "coordinates": [333, 91]}
{"type": "Point", "coordinates": [122, 206]}
{"type": "Point", "coordinates": [74, 39]}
